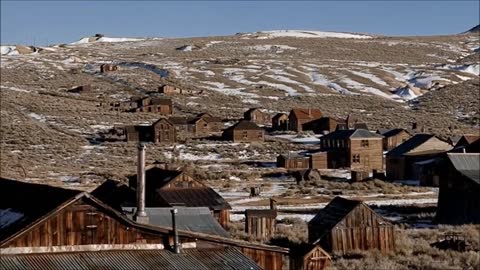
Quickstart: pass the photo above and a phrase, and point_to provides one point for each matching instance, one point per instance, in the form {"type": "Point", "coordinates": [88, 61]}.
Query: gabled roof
{"type": "Point", "coordinates": [278, 115]}
{"type": "Point", "coordinates": [193, 219]}
{"type": "Point", "coordinates": [467, 164]}
{"type": "Point", "coordinates": [409, 145]}
{"type": "Point", "coordinates": [162, 119]}
{"type": "Point", "coordinates": [245, 125]}
{"type": "Point", "coordinates": [467, 139]}
{"type": "Point", "coordinates": [155, 177]}
{"type": "Point", "coordinates": [306, 113]}
{"type": "Point", "coordinates": [193, 197]}
{"type": "Point", "coordinates": [160, 101]}
{"type": "Point", "coordinates": [360, 126]}
{"type": "Point", "coordinates": [252, 110]}
{"type": "Point", "coordinates": [56, 206]}
{"type": "Point", "coordinates": [391, 132]}
{"type": "Point", "coordinates": [23, 203]}
{"type": "Point", "coordinates": [332, 214]}
{"type": "Point", "coordinates": [351, 133]}
{"type": "Point", "coordinates": [227, 258]}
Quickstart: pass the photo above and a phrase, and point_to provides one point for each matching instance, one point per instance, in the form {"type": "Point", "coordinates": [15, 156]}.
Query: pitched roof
{"type": "Point", "coordinates": [160, 120]}
{"type": "Point", "coordinates": [306, 113]}
{"type": "Point", "coordinates": [409, 145]}
{"type": "Point", "coordinates": [194, 219]}
{"type": "Point", "coordinates": [332, 214]}
{"type": "Point", "coordinates": [23, 203]}
{"type": "Point", "coordinates": [181, 120]}
{"type": "Point", "coordinates": [193, 197]}
{"type": "Point", "coordinates": [245, 125]}
{"type": "Point", "coordinates": [467, 164]}
{"type": "Point", "coordinates": [189, 259]}
{"type": "Point", "coordinates": [467, 140]}
{"type": "Point", "coordinates": [391, 132]}
{"type": "Point", "coordinates": [278, 115]}
{"type": "Point", "coordinates": [351, 133]}
{"type": "Point", "coordinates": [360, 126]}
{"type": "Point", "coordinates": [115, 194]}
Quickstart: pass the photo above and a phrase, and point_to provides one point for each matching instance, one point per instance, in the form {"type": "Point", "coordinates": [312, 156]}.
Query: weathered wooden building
{"type": "Point", "coordinates": [280, 121]}
{"type": "Point", "coordinates": [400, 161]}
{"type": "Point", "coordinates": [458, 198]}
{"type": "Point", "coordinates": [168, 188]}
{"type": "Point", "coordinates": [260, 223]}
{"type": "Point", "coordinates": [258, 116]}
{"type": "Point", "coordinates": [393, 137]}
{"type": "Point", "coordinates": [108, 68]}
{"type": "Point", "coordinates": [67, 228]}
{"type": "Point", "coordinates": [244, 131]}
{"type": "Point", "coordinates": [309, 257]}
{"type": "Point", "coordinates": [162, 131]}
{"type": "Point", "coordinates": [170, 90]}
{"type": "Point", "coordinates": [293, 161]}
{"type": "Point", "coordinates": [299, 117]}
{"type": "Point", "coordinates": [322, 125]}
{"type": "Point", "coordinates": [158, 105]}
{"type": "Point", "coordinates": [347, 225]}
{"type": "Point", "coordinates": [358, 149]}
{"type": "Point", "coordinates": [201, 125]}
{"type": "Point", "coordinates": [319, 160]}
{"type": "Point", "coordinates": [466, 139]}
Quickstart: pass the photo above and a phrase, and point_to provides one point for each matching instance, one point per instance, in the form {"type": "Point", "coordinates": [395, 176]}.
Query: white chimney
{"type": "Point", "coordinates": [141, 214]}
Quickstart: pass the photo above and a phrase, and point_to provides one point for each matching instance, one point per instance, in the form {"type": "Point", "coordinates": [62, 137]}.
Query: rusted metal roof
{"type": "Point", "coordinates": [188, 259]}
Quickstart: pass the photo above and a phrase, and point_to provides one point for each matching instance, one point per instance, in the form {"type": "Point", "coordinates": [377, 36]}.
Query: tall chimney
{"type": "Point", "coordinates": [141, 215]}
{"type": "Point", "coordinates": [176, 245]}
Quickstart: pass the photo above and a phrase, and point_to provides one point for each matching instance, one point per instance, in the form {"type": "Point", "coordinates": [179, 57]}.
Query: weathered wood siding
{"type": "Point", "coordinates": [260, 227]}
{"type": "Point", "coordinates": [362, 229]}
{"type": "Point", "coordinates": [248, 135]}
{"type": "Point", "coordinates": [258, 117]}
{"type": "Point", "coordinates": [317, 259]}
{"type": "Point", "coordinates": [222, 216]}
{"type": "Point", "coordinates": [394, 141]}
{"type": "Point", "coordinates": [164, 132]}
{"type": "Point", "coordinates": [83, 224]}
{"type": "Point", "coordinates": [267, 260]}
{"type": "Point", "coordinates": [395, 168]}
{"type": "Point", "coordinates": [319, 160]}
{"type": "Point", "coordinates": [370, 154]}
{"type": "Point", "coordinates": [293, 163]}
{"type": "Point", "coordinates": [280, 123]}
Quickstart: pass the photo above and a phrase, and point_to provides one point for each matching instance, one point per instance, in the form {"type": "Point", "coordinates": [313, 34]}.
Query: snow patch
{"type": "Point", "coordinates": [305, 34]}
{"type": "Point", "coordinates": [8, 217]}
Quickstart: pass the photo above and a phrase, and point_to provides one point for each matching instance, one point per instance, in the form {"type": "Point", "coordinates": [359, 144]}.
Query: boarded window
{"type": "Point", "coordinates": [356, 158]}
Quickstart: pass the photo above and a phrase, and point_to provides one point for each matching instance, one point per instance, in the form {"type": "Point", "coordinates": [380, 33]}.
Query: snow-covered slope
{"type": "Point", "coordinates": [86, 40]}
{"type": "Point", "coordinates": [8, 50]}
{"type": "Point", "coordinates": [305, 34]}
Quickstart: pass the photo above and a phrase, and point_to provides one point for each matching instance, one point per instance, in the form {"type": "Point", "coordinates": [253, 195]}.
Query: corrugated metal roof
{"type": "Point", "coordinates": [350, 133]}
{"type": "Point", "coordinates": [194, 219]}
{"type": "Point", "coordinates": [467, 164]}
{"type": "Point", "coordinates": [189, 259]}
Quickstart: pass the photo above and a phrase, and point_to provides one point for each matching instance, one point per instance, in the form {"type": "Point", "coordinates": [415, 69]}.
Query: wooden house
{"type": "Point", "coordinates": [298, 117]}
{"type": "Point", "coordinates": [280, 121]}
{"type": "Point", "coordinates": [139, 133]}
{"type": "Point", "coordinates": [108, 68]}
{"type": "Point", "coordinates": [244, 131]}
{"type": "Point", "coordinates": [319, 160]}
{"type": "Point", "coordinates": [400, 161]}
{"type": "Point", "coordinates": [393, 137]}
{"type": "Point", "coordinates": [167, 188]}
{"type": "Point", "coordinates": [358, 149]}
{"type": "Point", "coordinates": [458, 198]}
{"type": "Point", "coordinates": [348, 225]}
{"type": "Point", "coordinates": [258, 116]}
{"type": "Point", "coordinates": [170, 90]}
{"type": "Point", "coordinates": [201, 125]}
{"type": "Point", "coordinates": [293, 161]}
{"type": "Point", "coordinates": [309, 257]}
{"type": "Point", "coordinates": [155, 105]}
{"type": "Point", "coordinates": [163, 131]}
{"type": "Point", "coordinates": [58, 227]}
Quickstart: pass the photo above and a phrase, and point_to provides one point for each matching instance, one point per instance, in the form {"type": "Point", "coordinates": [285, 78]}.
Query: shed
{"type": "Point", "coordinates": [346, 225]}
{"type": "Point", "coordinates": [293, 161]}
{"type": "Point", "coordinates": [260, 223]}
{"type": "Point", "coordinates": [458, 198]}
{"type": "Point", "coordinates": [309, 257]}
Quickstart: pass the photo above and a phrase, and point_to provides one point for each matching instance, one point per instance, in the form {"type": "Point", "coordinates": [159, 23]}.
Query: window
{"type": "Point", "coordinates": [364, 143]}
{"type": "Point", "coordinates": [356, 159]}
{"type": "Point", "coordinates": [260, 134]}
{"type": "Point", "coordinates": [245, 134]}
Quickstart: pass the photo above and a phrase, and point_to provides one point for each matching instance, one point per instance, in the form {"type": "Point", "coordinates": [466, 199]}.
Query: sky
{"type": "Point", "coordinates": [53, 22]}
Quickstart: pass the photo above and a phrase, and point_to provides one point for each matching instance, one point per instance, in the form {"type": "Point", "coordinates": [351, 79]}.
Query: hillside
{"type": "Point", "coordinates": [377, 78]}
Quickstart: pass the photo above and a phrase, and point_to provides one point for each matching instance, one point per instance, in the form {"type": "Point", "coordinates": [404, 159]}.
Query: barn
{"type": "Point", "coordinates": [346, 225]}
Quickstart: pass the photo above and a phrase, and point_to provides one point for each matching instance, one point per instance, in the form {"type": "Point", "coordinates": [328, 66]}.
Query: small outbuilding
{"type": "Point", "coordinates": [244, 131]}
{"type": "Point", "coordinates": [346, 225]}
{"type": "Point", "coordinates": [309, 257]}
